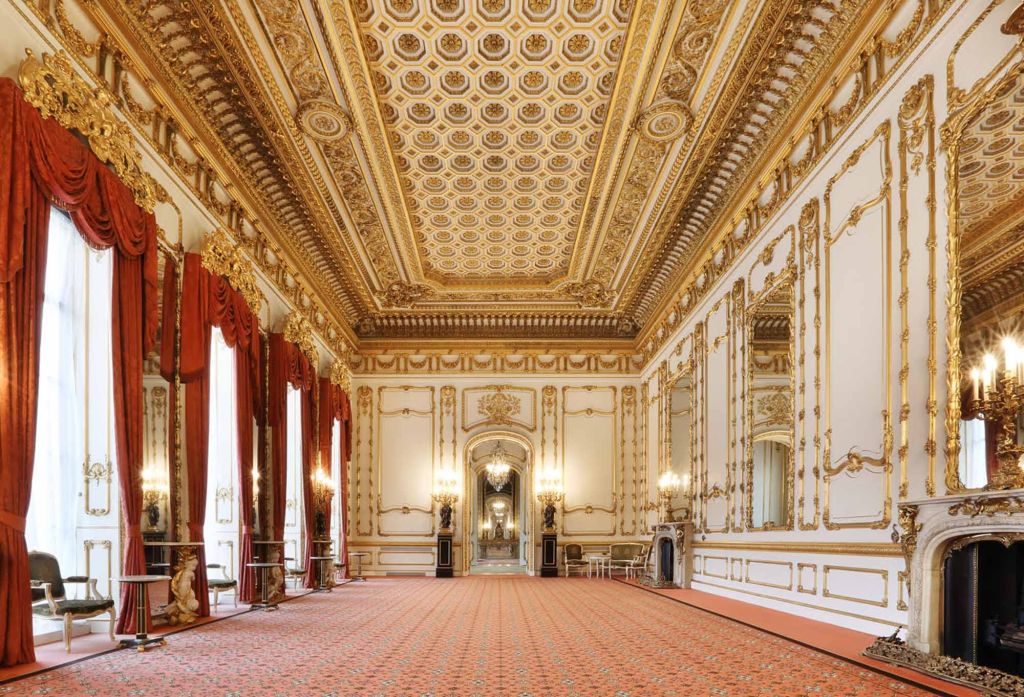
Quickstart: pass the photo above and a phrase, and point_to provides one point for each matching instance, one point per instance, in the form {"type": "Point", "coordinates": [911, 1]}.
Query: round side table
{"type": "Point", "coordinates": [320, 564]}
{"type": "Point", "coordinates": [264, 568]}
{"type": "Point", "coordinates": [142, 638]}
{"type": "Point", "coordinates": [357, 574]}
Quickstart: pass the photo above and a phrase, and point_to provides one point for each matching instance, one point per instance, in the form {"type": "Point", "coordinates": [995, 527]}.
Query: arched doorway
{"type": "Point", "coordinates": [498, 522]}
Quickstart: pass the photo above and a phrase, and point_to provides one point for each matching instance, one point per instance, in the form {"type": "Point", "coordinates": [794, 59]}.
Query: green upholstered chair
{"type": "Point", "coordinates": [623, 554]}
{"type": "Point", "coordinates": [572, 558]}
{"type": "Point", "coordinates": [222, 584]}
{"type": "Point", "coordinates": [49, 597]}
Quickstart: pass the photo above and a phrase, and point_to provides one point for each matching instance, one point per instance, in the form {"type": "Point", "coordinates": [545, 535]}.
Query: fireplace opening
{"type": "Point", "coordinates": [983, 603]}
{"type": "Point", "coordinates": [666, 553]}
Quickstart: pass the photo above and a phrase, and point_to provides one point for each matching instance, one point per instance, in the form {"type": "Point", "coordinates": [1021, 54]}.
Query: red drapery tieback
{"type": "Point", "coordinates": [13, 521]}
{"type": "Point", "coordinates": [42, 163]}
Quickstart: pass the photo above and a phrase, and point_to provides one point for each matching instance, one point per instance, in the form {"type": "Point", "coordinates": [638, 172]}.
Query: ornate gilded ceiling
{"type": "Point", "coordinates": [487, 168]}
{"type": "Point", "coordinates": [991, 174]}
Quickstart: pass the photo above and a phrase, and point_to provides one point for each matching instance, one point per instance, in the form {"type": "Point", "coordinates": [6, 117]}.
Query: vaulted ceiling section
{"type": "Point", "coordinates": [489, 168]}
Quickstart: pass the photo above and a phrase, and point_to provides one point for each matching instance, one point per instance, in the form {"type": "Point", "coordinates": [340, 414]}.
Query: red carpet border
{"type": "Point", "coordinates": [470, 636]}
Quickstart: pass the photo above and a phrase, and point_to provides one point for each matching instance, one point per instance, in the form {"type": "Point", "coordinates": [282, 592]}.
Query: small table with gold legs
{"type": "Point", "coordinates": [357, 573]}
{"type": "Point", "coordinates": [142, 638]}
{"type": "Point", "coordinates": [264, 568]}
{"type": "Point", "coordinates": [321, 576]}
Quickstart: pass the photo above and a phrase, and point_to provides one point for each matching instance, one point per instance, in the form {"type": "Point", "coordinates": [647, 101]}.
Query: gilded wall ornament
{"type": "Point", "coordinates": [776, 407]}
{"type": "Point", "coordinates": [589, 293]}
{"type": "Point", "coordinates": [341, 375]}
{"type": "Point", "coordinates": [988, 506]}
{"type": "Point", "coordinates": [664, 120]}
{"type": "Point", "coordinates": [401, 294]}
{"type": "Point", "coordinates": [499, 407]}
{"type": "Point", "coordinates": [299, 331]}
{"type": "Point", "coordinates": [223, 257]}
{"type": "Point", "coordinates": [53, 87]}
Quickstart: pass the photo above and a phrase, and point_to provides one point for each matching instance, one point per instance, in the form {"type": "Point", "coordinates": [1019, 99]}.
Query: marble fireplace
{"type": "Point", "coordinates": [671, 554]}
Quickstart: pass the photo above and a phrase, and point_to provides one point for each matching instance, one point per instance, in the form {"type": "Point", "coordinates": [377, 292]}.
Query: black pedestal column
{"type": "Point", "coordinates": [444, 545]}
{"type": "Point", "coordinates": [549, 544]}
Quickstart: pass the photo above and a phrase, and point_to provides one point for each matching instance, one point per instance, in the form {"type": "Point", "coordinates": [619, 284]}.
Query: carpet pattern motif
{"type": "Point", "coordinates": [470, 636]}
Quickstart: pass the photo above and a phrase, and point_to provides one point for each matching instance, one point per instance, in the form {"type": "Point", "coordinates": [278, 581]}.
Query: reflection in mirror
{"type": "Point", "coordinates": [769, 405]}
{"type": "Point", "coordinates": [991, 224]}
{"type": "Point", "coordinates": [681, 443]}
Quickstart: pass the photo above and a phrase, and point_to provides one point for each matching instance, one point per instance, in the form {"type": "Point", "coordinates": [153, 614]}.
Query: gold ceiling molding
{"type": "Point", "coordinates": [323, 121]}
{"type": "Point", "coordinates": [53, 87]}
{"type": "Point", "coordinates": [589, 293]}
{"type": "Point", "coordinates": [401, 294]}
{"type": "Point", "coordinates": [495, 359]}
{"type": "Point", "coordinates": [222, 256]}
{"type": "Point", "coordinates": [299, 331]}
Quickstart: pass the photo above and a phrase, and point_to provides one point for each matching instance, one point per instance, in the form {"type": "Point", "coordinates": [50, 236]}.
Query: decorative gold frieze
{"type": "Point", "coordinates": [52, 86]}
{"type": "Point", "coordinates": [988, 506]}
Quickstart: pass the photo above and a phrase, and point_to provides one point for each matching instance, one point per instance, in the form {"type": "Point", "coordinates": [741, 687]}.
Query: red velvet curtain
{"type": "Point", "coordinates": [289, 366]}
{"type": "Point", "coordinates": [210, 301]}
{"type": "Point", "coordinates": [44, 163]}
{"type": "Point", "coordinates": [334, 406]}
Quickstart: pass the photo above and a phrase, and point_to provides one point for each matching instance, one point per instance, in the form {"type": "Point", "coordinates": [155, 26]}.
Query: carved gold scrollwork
{"type": "Point", "coordinates": [223, 501]}
{"type": "Point", "coordinates": [53, 87]}
{"type": "Point", "coordinates": [97, 473]}
{"type": "Point", "coordinates": [299, 331]}
{"type": "Point", "coordinates": [222, 256]}
{"type": "Point", "coordinates": [341, 375]}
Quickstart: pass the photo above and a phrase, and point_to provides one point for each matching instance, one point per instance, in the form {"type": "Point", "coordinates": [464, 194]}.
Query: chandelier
{"type": "Point", "coordinates": [498, 469]}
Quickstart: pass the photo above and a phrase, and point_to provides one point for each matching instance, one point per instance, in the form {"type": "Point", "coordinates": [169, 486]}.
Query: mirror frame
{"type": "Point", "coordinates": [685, 369]}
{"type": "Point", "coordinates": [786, 277]}
{"type": "Point", "coordinates": [951, 133]}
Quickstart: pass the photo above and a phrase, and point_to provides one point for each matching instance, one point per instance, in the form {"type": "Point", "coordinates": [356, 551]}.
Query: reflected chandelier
{"type": "Point", "coordinates": [498, 469]}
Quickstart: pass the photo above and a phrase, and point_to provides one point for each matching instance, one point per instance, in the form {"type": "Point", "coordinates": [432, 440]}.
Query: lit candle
{"type": "Point", "coordinates": [1010, 355]}
{"type": "Point", "coordinates": [988, 376]}
{"type": "Point", "coordinates": [975, 377]}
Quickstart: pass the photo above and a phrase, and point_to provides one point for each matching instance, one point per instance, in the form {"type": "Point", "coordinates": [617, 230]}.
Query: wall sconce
{"type": "Point", "coordinates": [446, 493]}
{"type": "Point", "coordinates": [549, 492]}
{"type": "Point", "coordinates": [155, 488]}
{"type": "Point", "coordinates": [323, 492]}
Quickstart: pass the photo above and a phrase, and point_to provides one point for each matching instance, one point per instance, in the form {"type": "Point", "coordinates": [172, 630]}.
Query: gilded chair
{"type": "Point", "coordinates": [49, 598]}
{"type": "Point", "coordinates": [622, 555]}
{"type": "Point", "coordinates": [572, 558]}
{"type": "Point", "coordinates": [641, 564]}
{"type": "Point", "coordinates": [222, 584]}
{"type": "Point", "coordinates": [296, 573]}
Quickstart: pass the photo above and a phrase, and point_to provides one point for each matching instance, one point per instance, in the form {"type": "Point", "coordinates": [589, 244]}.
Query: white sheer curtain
{"type": "Point", "coordinates": [337, 518]}
{"type": "Point", "coordinates": [222, 461]}
{"type": "Point", "coordinates": [293, 477]}
{"type": "Point", "coordinates": [75, 412]}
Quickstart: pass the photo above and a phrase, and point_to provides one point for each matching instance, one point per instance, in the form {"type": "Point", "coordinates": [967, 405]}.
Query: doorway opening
{"type": "Point", "coordinates": [498, 507]}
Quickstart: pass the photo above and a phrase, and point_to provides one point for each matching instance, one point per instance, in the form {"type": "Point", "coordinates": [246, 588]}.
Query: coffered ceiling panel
{"type": "Point", "coordinates": [494, 110]}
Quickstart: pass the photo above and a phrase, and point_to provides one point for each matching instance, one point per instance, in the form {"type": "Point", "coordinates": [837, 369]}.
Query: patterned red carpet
{"type": "Point", "coordinates": [470, 636]}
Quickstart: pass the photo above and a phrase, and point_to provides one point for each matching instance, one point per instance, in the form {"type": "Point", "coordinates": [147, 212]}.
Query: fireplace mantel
{"type": "Point", "coordinates": [928, 528]}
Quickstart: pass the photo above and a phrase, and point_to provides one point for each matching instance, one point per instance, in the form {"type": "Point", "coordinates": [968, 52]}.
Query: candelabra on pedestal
{"type": "Point", "coordinates": [446, 494]}
{"type": "Point", "coordinates": [998, 397]}
{"type": "Point", "coordinates": [549, 493]}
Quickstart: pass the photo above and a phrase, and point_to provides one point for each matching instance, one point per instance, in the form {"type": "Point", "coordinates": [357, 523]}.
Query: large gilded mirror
{"type": "Point", "coordinates": [682, 441]}
{"type": "Point", "coordinates": [986, 431]}
{"type": "Point", "coordinates": [769, 409]}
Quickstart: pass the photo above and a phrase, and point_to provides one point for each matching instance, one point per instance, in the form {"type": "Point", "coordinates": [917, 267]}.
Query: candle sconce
{"type": "Point", "coordinates": [998, 397]}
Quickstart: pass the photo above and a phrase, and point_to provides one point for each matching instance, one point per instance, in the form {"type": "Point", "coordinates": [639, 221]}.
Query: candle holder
{"type": "Point", "coordinates": [323, 492]}
{"type": "Point", "coordinates": [998, 397]}
{"type": "Point", "coordinates": [549, 493]}
{"type": "Point", "coordinates": [155, 489]}
{"type": "Point", "coordinates": [446, 494]}
{"type": "Point", "coordinates": [669, 485]}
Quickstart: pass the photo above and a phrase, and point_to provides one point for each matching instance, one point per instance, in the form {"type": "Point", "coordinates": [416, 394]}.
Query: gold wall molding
{"type": "Point", "coordinates": [53, 87]}
{"type": "Point", "coordinates": [433, 429]}
{"type": "Point", "coordinates": [782, 586]}
{"type": "Point", "coordinates": [866, 549]}
{"type": "Point", "coordinates": [882, 573]}
{"type": "Point", "coordinates": [575, 360]}
{"type": "Point", "coordinates": [589, 412]}
{"type": "Point", "coordinates": [800, 588]}
{"type": "Point", "coordinates": [856, 461]}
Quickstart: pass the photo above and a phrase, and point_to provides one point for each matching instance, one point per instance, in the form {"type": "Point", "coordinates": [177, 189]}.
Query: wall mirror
{"type": "Point", "coordinates": [989, 219]}
{"type": "Point", "coordinates": [769, 409]}
{"type": "Point", "coordinates": [681, 440]}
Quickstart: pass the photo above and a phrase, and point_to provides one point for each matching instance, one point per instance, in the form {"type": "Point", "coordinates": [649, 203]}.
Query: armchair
{"type": "Point", "coordinates": [572, 558]}
{"type": "Point", "coordinates": [640, 564]}
{"type": "Point", "coordinates": [623, 554]}
{"type": "Point", "coordinates": [49, 598]}
{"type": "Point", "coordinates": [222, 584]}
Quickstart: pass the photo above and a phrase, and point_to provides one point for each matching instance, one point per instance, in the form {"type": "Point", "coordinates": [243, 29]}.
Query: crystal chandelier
{"type": "Point", "coordinates": [498, 469]}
